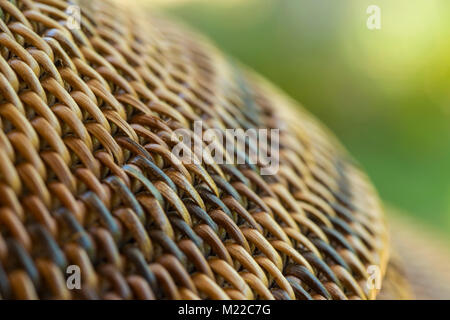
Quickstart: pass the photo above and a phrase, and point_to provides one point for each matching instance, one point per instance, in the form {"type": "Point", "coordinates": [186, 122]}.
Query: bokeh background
{"type": "Point", "coordinates": [385, 93]}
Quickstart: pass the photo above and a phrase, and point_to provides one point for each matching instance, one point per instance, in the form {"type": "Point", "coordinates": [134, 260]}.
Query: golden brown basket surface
{"type": "Point", "coordinates": [87, 176]}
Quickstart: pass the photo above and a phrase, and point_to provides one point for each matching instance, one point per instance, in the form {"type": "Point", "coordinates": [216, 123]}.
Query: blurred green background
{"type": "Point", "coordinates": [385, 93]}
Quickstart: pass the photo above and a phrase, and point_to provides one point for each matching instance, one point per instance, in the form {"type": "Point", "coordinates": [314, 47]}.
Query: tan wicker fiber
{"type": "Point", "coordinates": [88, 177]}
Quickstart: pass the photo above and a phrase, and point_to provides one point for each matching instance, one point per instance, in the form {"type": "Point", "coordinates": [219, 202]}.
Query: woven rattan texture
{"type": "Point", "coordinates": [87, 176]}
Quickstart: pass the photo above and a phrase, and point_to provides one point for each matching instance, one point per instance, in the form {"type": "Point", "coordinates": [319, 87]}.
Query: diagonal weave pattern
{"type": "Point", "coordinates": [87, 176]}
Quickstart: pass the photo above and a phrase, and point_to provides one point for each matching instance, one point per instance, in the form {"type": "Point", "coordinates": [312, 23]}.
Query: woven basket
{"type": "Point", "coordinates": [89, 180]}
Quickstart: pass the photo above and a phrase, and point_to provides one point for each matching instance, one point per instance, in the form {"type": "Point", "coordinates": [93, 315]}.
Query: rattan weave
{"type": "Point", "coordinates": [87, 176]}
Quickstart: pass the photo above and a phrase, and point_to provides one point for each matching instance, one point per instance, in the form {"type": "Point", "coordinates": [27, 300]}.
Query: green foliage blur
{"type": "Point", "coordinates": [385, 93]}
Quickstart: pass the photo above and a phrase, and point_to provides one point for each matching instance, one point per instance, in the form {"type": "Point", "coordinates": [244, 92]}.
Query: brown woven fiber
{"type": "Point", "coordinates": [88, 176]}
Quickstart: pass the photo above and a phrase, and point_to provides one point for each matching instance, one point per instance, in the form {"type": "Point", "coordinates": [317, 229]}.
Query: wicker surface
{"type": "Point", "coordinates": [87, 176]}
